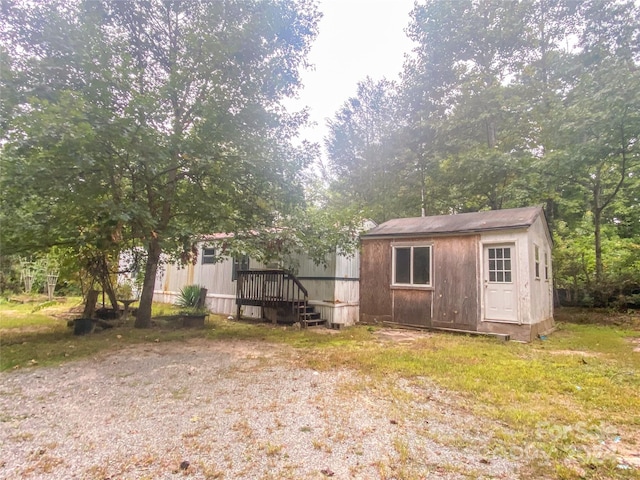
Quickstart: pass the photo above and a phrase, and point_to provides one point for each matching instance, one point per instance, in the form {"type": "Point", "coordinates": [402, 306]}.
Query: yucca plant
{"type": "Point", "coordinates": [189, 296]}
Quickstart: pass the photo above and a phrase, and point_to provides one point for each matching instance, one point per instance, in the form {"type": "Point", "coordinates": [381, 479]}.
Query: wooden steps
{"type": "Point", "coordinates": [309, 317]}
{"type": "Point", "coordinates": [280, 294]}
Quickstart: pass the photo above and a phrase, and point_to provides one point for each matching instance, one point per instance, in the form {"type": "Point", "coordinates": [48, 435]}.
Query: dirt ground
{"type": "Point", "coordinates": [235, 409]}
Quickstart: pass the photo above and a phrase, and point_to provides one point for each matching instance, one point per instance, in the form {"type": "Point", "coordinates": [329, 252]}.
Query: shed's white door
{"type": "Point", "coordinates": [500, 294]}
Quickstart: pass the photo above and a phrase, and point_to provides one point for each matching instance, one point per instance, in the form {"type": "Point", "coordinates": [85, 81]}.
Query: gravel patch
{"type": "Point", "coordinates": [232, 410]}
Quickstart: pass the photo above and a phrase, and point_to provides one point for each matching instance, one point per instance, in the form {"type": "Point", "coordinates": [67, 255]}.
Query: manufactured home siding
{"type": "Point", "coordinates": [215, 277]}
{"type": "Point", "coordinates": [456, 282]}
{"type": "Point", "coordinates": [348, 266]}
{"type": "Point", "coordinates": [305, 267]}
{"type": "Point", "coordinates": [375, 278]}
{"type": "Point", "coordinates": [333, 289]}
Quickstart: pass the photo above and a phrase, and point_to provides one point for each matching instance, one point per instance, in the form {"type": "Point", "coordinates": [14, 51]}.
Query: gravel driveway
{"type": "Point", "coordinates": [232, 410]}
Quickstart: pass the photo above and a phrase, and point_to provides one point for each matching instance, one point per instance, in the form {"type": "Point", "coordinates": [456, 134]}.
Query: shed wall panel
{"type": "Point", "coordinates": [455, 280]}
{"type": "Point", "coordinates": [412, 307]}
{"type": "Point", "coordinates": [375, 281]}
{"type": "Point", "coordinates": [542, 287]}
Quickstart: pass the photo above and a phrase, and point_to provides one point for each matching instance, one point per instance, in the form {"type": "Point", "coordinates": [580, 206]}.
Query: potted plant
{"type": "Point", "coordinates": [193, 316]}
{"type": "Point", "coordinates": [193, 311]}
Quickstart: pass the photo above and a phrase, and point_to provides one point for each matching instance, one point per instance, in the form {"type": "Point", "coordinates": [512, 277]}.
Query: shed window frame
{"type": "Point", "coordinates": [208, 256]}
{"type": "Point", "coordinates": [536, 259]}
{"type": "Point", "coordinates": [546, 266]}
{"type": "Point", "coordinates": [500, 264]}
{"type": "Point", "coordinates": [412, 259]}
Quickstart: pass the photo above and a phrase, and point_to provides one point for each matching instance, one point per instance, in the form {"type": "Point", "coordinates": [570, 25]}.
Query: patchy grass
{"type": "Point", "coordinates": [569, 405]}
{"type": "Point", "coordinates": [570, 397]}
{"type": "Point", "coordinates": [34, 312]}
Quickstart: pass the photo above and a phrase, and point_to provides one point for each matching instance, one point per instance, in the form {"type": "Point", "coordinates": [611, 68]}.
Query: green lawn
{"type": "Point", "coordinates": [570, 403]}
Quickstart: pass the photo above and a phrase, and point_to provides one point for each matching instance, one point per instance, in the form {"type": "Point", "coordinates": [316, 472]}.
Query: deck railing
{"type": "Point", "coordinates": [271, 288]}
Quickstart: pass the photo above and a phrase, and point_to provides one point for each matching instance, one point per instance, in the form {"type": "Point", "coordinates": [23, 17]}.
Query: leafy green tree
{"type": "Point", "coordinates": [505, 104]}
{"type": "Point", "coordinates": [602, 128]}
{"type": "Point", "coordinates": [466, 123]}
{"type": "Point", "coordinates": [149, 122]}
{"type": "Point", "coordinates": [600, 124]}
{"type": "Point", "coordinates": [360, 150]}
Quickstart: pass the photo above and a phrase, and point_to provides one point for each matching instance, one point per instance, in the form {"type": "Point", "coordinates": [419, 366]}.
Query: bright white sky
{"type": "Point", "coordinates": [356, 38]}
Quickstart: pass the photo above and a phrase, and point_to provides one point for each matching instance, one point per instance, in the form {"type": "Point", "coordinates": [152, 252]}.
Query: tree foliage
{"type": "Point", "coordinates": [506, 104]}
{"type": "Point", "coordinates": [149, 122]}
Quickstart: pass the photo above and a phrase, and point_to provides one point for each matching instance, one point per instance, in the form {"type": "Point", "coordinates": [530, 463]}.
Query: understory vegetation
{"type": "Point", "coordinates": [565, 406]}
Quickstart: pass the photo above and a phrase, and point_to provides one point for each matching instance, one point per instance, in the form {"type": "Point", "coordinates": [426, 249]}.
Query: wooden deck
{"type": "Point", "coordinates": [279, 293]}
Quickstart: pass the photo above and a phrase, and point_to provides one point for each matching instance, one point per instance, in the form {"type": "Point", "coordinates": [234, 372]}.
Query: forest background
{"type": "Point", "coordinates": [145, 124]}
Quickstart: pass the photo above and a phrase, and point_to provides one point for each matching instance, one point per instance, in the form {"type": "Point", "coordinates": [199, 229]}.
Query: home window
{"type": "Point", "coordinates": [239, 263]}
{"type": "Point", "coordinates": [537, 261]}
{"type": "Point", "coordinates": [412, 265]}
{"type": "Point", "coordinates": [208, 255]}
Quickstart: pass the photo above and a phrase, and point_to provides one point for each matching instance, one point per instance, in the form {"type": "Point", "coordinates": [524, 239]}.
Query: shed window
{"type": "Point", "coordinates": [546, 266]}
{"type": "Point", "coordinates": [537, 261]}
{"type": "Point", "coordinates": [500, 264]}
{"type": "Point", "coordinates": [208, 255]}
{"type": "Point", "coordinates": [412, 265]}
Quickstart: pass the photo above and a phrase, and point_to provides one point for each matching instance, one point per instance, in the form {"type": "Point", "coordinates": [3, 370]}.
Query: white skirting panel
{"type": "Point", "coordinates": [343, 313]}
{"type": "Point", "coordinates": [216, 303]}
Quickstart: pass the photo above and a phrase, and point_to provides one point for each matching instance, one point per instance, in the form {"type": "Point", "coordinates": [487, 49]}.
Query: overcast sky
{"type": "Point", "coordinates": [356, 38]}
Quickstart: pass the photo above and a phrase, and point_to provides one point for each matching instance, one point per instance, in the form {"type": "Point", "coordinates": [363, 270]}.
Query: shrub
{"type": "Point", "coordinates": [189, 296]}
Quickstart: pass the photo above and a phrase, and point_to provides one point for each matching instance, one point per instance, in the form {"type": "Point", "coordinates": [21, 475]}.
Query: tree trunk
{"type": "Point", "coordinates": [111, 293]}
{"type": "Point", "coordinates": [597, 220]}
{"type": "Point", "coordinates": [90, 305]}
{"type": "Point", "coordinates": [143, 317]}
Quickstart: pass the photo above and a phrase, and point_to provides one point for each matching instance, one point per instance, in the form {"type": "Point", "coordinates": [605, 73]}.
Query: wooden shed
{"type": "Point", "coordinates": [479, 272]}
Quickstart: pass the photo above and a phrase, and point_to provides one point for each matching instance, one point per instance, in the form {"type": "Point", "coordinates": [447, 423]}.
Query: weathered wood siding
{"type": "Point", "coordinates": [375, 281]}
{"type": "Point", "coordinates": [451, 302]}
{"type": "Point", "coordinates": [458, 297]}
{"type": "Point", "coordinates": [412, 306]}
{"type": "Point", "coordinates": [455, 282]}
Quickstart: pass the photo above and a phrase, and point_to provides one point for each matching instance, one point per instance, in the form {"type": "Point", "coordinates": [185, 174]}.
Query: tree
{"type": "Point", "coordinates": [151, 121]}
{"type": "Point", "coordinates": [360, 149]}
{"type": "Point", "coordinates": [458, 95]}
{"type": "Point", "coordinates": [506, 104]}
{"type": "Point", "coordinates": [602, 130]}
{"type": "Point", "coordinates": [600, 125]}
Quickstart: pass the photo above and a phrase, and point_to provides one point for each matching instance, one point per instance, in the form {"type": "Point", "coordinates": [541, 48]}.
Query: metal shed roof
{"type": "Point", "coordinates": [459, 223]}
